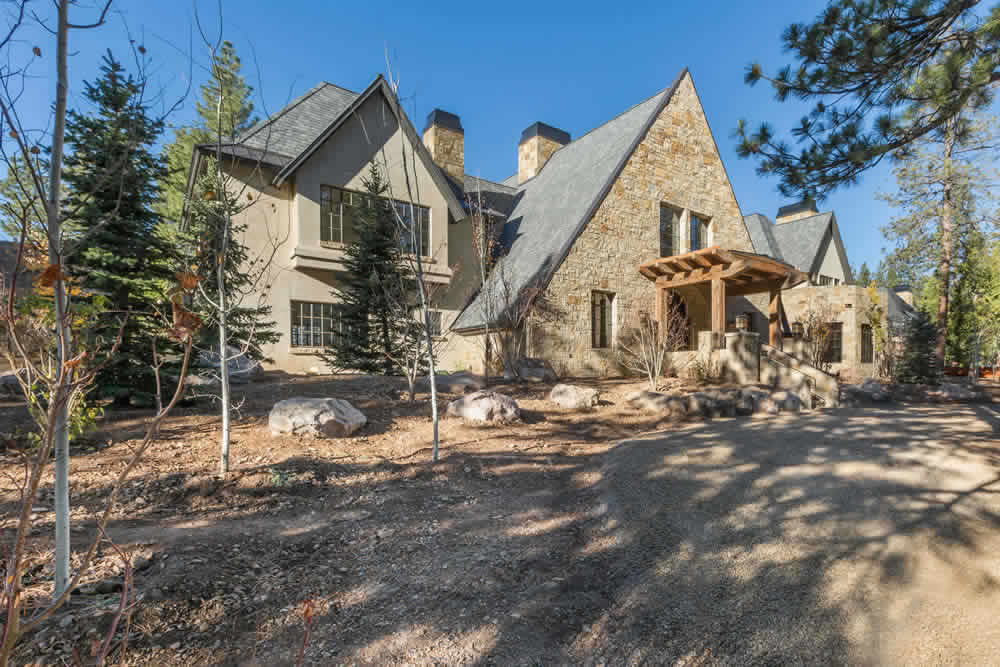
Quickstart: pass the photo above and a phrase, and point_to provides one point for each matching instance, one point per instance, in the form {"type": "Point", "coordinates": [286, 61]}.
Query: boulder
{"type": "Point", "coordinates": [574, 396]}
{"type": "Point", "coordinates": [786, 401]}
{"type": "Point", "coordinates": [751, 400]}
{"type": "Point", "coordinates": [455, 383]}
{"type": "Point", "coordinates": [485, 406]}
{"type": "Point", "coordinates": [650, 401]}
{"type": "Point", "coordinates": [530, 370]}
{"type": "Point", "coordinates": [241, 367]}
{"type": "Point", "coordinates": [317, 417]}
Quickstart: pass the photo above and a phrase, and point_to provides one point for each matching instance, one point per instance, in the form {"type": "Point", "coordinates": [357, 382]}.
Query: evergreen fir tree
{"type": "Point", "coordinates": [918, 363]}
{"type": "Point", "coordinates": [236, 118]}
{"type": "Point", "coordinates": [864, 276]}
{"type": "Point", "coordinates": [213, 214]}
{"type": "Point", "coordinates": [370, 290]}
{"type": "Point", "coordinates": [117, 250]}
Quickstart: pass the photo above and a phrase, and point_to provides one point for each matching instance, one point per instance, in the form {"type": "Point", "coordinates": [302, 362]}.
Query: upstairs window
{"type": "Point", "coordinates": [699, 232]}
{"type": "Point", "coordinates": [414, 236]}
{"type": "Point", "coordinates": [340, 210]}
{"type": "Point", "coordinates": [670, 231]}
{"type": "Point", "coordinates": [601, 319]}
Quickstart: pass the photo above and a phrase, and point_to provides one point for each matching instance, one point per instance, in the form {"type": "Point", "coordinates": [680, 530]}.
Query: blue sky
{"type": "Point", "coordinates": [500, 67]}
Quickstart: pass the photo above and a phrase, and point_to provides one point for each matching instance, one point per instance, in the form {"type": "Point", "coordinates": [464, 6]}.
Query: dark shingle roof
{"type": "Point", "coordinates": [761, 232]}
{"type": "Point", "coordinates": [555, 205]}
{"type": "Point", "coordinates": [292, 130]}
{"type": "Point", "coordinates": [498, 199]}
{"type": "Point", "coordinates": [800, 241]}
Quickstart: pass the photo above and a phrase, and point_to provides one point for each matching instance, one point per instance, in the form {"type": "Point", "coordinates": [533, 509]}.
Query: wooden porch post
{"type": "Point", "coordinates": [718, 311]}
{"type": "Point", "coordinates": [659, 307]}
{"type": "Point", "coordinates": [774, 319]}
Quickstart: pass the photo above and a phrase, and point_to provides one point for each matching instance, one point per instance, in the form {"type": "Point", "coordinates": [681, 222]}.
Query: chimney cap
{"type": "Point", "coordinates": [444, 119]}
{"type": "Point", "coordinates": [902, 288]}
{"type": "Point", "coordinates": [547, 131]}
{"type": "Point", "coordinates": [807, 204]}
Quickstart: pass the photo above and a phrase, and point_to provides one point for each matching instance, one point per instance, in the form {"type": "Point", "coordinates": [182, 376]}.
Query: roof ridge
{"type": "Point", "coordinates": [617, 116]}
{"type": "Point", "coordinates": [346, 90]}
{"type": "Point", "coordinates": [497, 183]}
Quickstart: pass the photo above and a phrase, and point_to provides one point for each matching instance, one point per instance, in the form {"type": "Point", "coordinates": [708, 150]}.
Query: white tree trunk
{"type": "Point", "coordinates": [54, 224]}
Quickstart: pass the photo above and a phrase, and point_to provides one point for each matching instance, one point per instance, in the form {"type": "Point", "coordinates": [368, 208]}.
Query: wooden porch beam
{"type": "Point", "coordinates": [691, 277]}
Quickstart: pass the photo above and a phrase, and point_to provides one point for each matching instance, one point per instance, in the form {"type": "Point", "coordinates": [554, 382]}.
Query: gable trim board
{"type": "Point", "coordinates": [469, 322]}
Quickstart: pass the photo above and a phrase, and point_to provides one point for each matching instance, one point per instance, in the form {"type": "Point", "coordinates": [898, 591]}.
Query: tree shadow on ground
{"type": "Point", "coordinates": [742, 541]}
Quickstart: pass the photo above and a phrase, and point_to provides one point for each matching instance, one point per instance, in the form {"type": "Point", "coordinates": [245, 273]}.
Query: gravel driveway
{"type": "Point", "coordinates": [849, 536]}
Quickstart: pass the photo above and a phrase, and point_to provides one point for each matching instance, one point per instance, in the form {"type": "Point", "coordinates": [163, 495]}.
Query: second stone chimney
{"type": "Point", "coordinates": [803, 209]}
{"type": "Point", "coordinates": [537, 145]}
{"type": "Point", "coordinates": [445, 139]}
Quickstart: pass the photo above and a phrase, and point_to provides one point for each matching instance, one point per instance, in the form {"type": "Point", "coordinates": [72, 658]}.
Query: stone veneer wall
{"type": "Point", "coordinates": [533, 154]}
{"type": "Point", "coordinates": [675, 163]}
{"type": "Point", "coordinates": [847, 304]}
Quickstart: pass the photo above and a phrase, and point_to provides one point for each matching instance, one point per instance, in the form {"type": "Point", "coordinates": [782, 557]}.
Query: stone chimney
{"type": "Point", "coordinates": [904, 292]}
{"type": "Point", "coordinates": [803, 209]}
{"type": "Point", "coordinates": [445, 139]}
{"type": "Point", "coordinates": [537, 145]}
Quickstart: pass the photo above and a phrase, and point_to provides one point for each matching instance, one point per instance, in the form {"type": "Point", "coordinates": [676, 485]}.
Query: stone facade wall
{"type": "Point", "coordinates": [675, 163]}
{"type": "Point", "coordinates": [447, 147]}
{"type": "Point", "coordinates": [533, 154]}
{"type": "Point", "coordinates": [846, 304]}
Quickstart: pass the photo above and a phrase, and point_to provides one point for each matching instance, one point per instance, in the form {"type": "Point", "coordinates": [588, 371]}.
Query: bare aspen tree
{"type": "Point", "coordinates": [411, 231]}
{"type": "Point", "coordinates": [645, 344]}
{"type": "Point", "coordinates": [26, 142]}
{"type": "Point", "coordinates": [236, 276]}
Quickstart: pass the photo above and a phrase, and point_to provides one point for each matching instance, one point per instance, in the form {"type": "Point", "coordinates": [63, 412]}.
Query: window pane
{"type": "Point", "coordinates": [670, 230]}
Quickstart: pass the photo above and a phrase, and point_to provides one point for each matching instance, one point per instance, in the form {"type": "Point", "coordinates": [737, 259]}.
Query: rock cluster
{"type": "Point", "coordinates": [716, 403]}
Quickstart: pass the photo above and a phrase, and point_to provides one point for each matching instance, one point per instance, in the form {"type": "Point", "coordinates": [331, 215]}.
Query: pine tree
{"type": "Point", "coordinates": [370, 290]}
{"type": "Point", "coordinates": [864, 276]}
{"type": "Point", "coordinates": [116, 248]}
{"type": "Point", "coordinates": [236, 118]}
{"type": "Point", "coordinates": [918, 364]}
{"type": "Point", "coordinates": [882, 74]}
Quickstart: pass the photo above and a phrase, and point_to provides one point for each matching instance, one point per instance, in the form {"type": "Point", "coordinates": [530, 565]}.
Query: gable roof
{"type": "Point", "coordinates": [288, 138]}
{"type": "Point", "coordinates": [553, 208]}
{"type": "Point", "coordinates": [801, 241]}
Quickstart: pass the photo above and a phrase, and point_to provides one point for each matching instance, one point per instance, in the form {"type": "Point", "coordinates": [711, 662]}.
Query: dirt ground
{"type": "Point", "coordinates": [840, 536]}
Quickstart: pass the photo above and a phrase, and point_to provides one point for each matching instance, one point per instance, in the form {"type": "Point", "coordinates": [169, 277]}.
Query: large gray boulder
{"type": "Point", "coordinates": [455, 383]}
{"type": "Point", "coordinates": [786, 401]}
{"type": "Point", "coordinates": [485, 406]}
{"type": "Point", "coordinates": [530, 370]}
{"type": "Point", "coordinates": [574, 396]}
{"type": "Point", "coordinates": [9, 383]}
{"type": "Point", "coordinates": [316, 417]}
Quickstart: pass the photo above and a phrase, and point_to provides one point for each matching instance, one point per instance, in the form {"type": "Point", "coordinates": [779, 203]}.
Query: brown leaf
{"type": "Point", "coordinates": [209, 195]}
{"type": "Point", "coordinates": [50, 275]}
{"type": "Point", "coordinates": [141, 49]}
{"type": "Point", "coordinates": [76, 361]}
{"type": "Point", "coordinates": [187, 280]}
{"type": "Point", "coordinates": [37, 51]}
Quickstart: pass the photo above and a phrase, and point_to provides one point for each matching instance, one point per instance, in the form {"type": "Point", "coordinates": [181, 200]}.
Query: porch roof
{"type": "Point", "coordinates": [742, 272]}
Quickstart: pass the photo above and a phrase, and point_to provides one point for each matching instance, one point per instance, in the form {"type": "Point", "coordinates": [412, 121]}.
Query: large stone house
{"type": "Point", "coordinates": [615, 223]}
